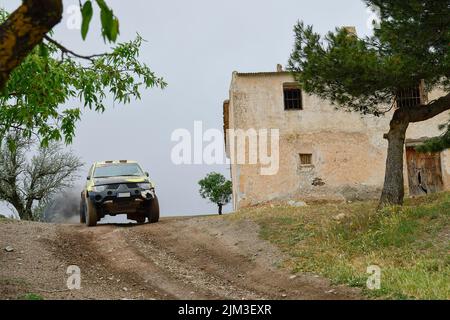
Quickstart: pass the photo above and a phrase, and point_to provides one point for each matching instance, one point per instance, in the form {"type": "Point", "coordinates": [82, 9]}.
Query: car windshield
{"type": "Point", "coordinates": [117, 170]}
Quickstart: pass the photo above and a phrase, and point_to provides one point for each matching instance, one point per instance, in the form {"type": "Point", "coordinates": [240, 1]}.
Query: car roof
{"type": "Point", "coordinates": [99, 163]}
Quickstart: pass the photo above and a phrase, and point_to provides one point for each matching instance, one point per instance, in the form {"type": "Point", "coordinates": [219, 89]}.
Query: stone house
{"type": "Point", "coordinates": [324, 153]}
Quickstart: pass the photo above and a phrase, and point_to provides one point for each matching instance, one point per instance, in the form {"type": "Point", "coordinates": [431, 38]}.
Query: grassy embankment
{"type": "Point", "coordinates": [410, 244]}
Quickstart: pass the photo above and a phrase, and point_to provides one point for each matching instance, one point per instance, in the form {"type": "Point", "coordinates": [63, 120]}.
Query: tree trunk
{"type": "Point", "coordinates": [16, 202]}
{"type": "Point", "coordinates": [29, 210]}
{"type": "Point", "coordinates": [220, 208]}
{"type": "Point", "coordinates": [393, 189]}
{"type": "Point", "coordinates": [28, 215]}
{"type": "Point", "coordinates": [23, 30]}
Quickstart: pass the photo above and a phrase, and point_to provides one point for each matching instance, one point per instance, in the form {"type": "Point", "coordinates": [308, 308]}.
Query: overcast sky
{"type": "Point", "coordinates": [195, 45]}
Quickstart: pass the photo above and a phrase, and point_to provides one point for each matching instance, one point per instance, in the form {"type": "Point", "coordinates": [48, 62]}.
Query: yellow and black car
{"type": "Point", "coordinates": [118, 187]}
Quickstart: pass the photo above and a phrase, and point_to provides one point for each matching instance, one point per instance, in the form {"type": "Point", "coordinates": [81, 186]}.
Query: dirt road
{"type": "Point", "coordinates": [178, 258]}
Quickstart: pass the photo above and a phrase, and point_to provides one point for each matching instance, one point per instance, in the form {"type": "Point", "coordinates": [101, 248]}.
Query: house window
{"type": "Point", "coordinates": [292, 97]}
{"type": "Point", "coordinates": [410, 97]}
{"type": "Point", "coordinates": [305, 159]}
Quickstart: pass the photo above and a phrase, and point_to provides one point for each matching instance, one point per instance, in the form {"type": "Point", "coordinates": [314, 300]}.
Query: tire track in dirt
{"type": "Point", "coordinates": [101, 278]}
{"type": "Point", "coordinates": [231, 253]}
{"type": "Point", "coordinates": [199, 258]}
{"type": "Point", "coordinates": [177, 258]}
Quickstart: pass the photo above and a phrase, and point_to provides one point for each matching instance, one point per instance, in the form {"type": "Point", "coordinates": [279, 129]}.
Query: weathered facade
{"type": "Point", "coordinates": [325, 153]}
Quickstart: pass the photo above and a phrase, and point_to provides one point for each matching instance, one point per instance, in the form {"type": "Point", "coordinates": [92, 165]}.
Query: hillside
{"type": "Point", "coordinates": [411, 245]}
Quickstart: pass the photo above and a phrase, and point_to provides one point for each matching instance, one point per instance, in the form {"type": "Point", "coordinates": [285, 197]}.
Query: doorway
{"type": "Point", "coordinates": [424, 172]}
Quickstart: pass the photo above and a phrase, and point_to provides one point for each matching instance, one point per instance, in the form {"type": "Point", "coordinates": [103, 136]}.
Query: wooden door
{"type": "Point", "coordinates": [424, 172]}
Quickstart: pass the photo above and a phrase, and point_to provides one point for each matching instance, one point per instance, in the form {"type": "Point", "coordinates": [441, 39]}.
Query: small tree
{"type": "Point", "coordinates": [29, 183]}
{"type": "Point", "coordinates": [216, 188]}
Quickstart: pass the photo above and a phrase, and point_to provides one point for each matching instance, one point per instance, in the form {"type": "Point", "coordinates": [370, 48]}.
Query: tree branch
{"type": "Point", "coordinates": [422, 113]}
{"type": "Point", "coordinates": [65, 50]}
{"type": "Point", "coordinates": [23, 30]}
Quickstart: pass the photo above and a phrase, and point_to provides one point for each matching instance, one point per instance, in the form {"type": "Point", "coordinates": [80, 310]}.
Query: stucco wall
{"type": "Point", "coordinates": [347, 148]}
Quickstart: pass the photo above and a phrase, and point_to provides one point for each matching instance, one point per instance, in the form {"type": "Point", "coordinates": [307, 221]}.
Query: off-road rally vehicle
{"type": "Point", "coordinates": [118, 187]}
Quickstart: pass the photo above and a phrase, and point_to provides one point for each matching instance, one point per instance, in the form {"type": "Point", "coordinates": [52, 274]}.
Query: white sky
{"type": "Point", "coordinates": [195, 45]}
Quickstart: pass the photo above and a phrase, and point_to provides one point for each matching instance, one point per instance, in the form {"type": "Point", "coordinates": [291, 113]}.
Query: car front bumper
{"type": "Point", "coordinates": [121, 200]}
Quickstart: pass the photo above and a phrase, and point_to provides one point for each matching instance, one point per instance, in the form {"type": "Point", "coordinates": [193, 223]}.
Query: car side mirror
{"type": "Point", "coordinates": [147, 174]}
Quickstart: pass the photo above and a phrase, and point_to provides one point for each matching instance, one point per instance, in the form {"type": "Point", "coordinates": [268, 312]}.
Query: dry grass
{"type": "Point", "coordinates": [411, 244]}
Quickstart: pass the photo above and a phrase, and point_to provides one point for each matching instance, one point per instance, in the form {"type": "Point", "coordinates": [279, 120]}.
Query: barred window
{"type": "Point", "coordinates": [305, 159]}
{"type": "Point", "coordinates": [292, 97]}
{"type": "Point", "coordinates": [410, 97]}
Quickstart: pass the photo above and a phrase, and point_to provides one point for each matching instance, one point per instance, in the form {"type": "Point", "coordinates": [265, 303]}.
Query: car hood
{"type": "Point", "coordinates": [116, 180]}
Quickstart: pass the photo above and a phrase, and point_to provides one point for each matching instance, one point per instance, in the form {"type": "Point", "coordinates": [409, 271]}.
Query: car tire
{"type": "Point", "coordinates": [153, 210]}
{"type": "Point", "coordinates": [140, 220]}
{"type": "Point", "coordinates": [82, 212]}
{"type": "Point", "coordinates": [91, 213]}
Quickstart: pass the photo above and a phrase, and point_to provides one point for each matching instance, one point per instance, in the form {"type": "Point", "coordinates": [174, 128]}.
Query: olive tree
{"type": "Point", "coordinates": [29, 178]}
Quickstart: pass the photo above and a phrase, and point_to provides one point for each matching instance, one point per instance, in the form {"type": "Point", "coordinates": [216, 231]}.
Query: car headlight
{"type": "Point", "coordinates": [98, 188]}
{"type": "Point", "coordinates": [145, 186]}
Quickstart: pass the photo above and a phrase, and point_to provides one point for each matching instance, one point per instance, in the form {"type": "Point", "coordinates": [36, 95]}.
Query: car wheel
{"type": "Point", "coordinates": [153, 210]}
{"type": "Point", "coordinates": [82, 212]}
{"type": "Point", "coordinates": [140, 220]}
{"type": "Point", "coordinates": [91, 213]}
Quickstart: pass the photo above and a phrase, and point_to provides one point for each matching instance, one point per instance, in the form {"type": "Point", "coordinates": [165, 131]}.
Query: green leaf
{"type": "Point", "coordinates": [12, 146]}
{"type": "Point", "coordinates": [106, 18]}
{"type": "Point", "coordinates": [87, 13]}
{"type": "Point", "coordinates": [43, 51]}
{"type": "Point", "coordinates": [114, 29]}
{"type": "Point", "coordinates": [110, 24]}
{"type": "Point", "coordinates": [102, 4]}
